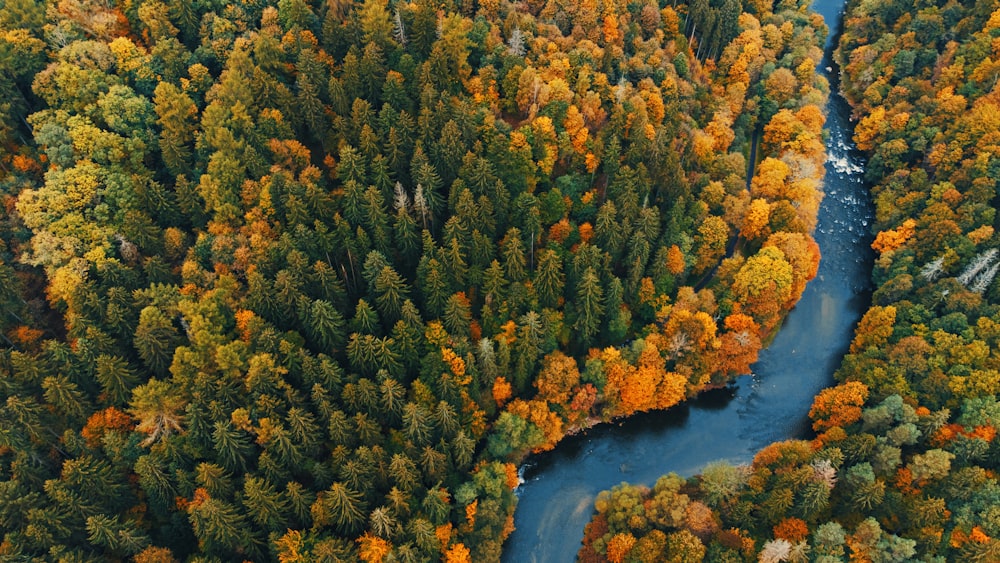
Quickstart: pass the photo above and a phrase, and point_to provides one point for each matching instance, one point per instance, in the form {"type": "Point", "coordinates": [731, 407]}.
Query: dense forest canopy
{"type": "Point", "coordinates": [300, 281]}
{"type": "Point", "coordinates": [905, 459]}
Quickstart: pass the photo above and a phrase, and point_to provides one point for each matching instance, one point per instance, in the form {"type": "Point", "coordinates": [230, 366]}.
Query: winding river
{"type": "Point", "coordinates": [557, 497]}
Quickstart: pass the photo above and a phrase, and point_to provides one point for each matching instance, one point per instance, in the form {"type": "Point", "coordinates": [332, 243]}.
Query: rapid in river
{"type": "Point", "coordinates": [557, 498]}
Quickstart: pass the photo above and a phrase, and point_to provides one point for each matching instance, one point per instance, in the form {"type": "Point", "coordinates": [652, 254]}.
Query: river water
{"type": "Point", "coordinates": [557, 498]}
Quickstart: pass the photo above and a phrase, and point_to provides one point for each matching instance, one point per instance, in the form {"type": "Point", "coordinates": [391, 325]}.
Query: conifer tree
{"type": "Point", "coordinates": [589, 306]}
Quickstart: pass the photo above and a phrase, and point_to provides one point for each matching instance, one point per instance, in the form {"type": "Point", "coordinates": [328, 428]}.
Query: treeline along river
{"type": "Point", "coordinates": [557, 497]}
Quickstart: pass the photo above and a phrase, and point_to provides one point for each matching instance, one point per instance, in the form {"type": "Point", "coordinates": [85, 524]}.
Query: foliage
{"type": "Point", "coordinates": [904, 467]}
{"type": "Point", "coordinates": [294, 280]}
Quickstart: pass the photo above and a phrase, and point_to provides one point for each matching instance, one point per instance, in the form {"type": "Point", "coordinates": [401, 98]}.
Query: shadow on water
{"type": "Point", "coordinates": [557, 497]}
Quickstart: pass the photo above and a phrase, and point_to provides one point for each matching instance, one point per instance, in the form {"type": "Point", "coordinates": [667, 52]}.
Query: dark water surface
{"type": "Point", "coordinates": [557, 497]}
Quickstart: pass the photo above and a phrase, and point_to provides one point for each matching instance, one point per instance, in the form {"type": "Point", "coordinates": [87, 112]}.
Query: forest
{"type": "Point", "coordinates": [903, 465]}
{"type": "Point", "coordinates": [303, 281]}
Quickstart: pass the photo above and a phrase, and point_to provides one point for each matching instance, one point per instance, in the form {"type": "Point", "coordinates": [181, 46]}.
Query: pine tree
{"type": "Point", "coordinates": [403, 472]}
{"type": "Point", "coordinates": [390, 293]}
{"type": "Point", "coordinates": [341, 507]}
{"type": "Point", "coordinates": [232, 446]}
{"type": "Point", "coordinates": [155, 480]}
{"type": "Point", "coordinates": [549, 279]}
{"type": "Point", "coordinates": [324, 325]}
{"type": "Point", "coordinates": [527, 348]}
{"type": "Point", "coordinates": [309, 105]}
{"type": "Point", "coordinates": [157, 406]}
{"type": "Point", "coordinates": [433, 283]}
{"type": "Point", "coordinates": [366, 319]}
{"type": "Point", "coordinates": [382, 523]}
{"type": "Point", "coordinates": [176, 113]}
{"type": "Point", "coordinates": [155, 339]}
{"type": "Point", "coordinates": [463, 449]}
{"type": "Point", "coordinates": [392, 398]}
{"type": "Point", "coordinates": [405, 233]}
{"type": "Point", "coordinates": [589, 306]}
{"type": "Point", "coordinates": [455, 262]}
{"type": "Point", "coordinates": [457, 317]}
{"type": "Point", "coordinates": [66, 397]}
{"type": "Point", "coordinates": [494, 282]}
{"type": "Point", "coordinates": [265, 504]}
{"type": "Point", "coordinates": [220, 526]}
{"type": "Point", "coordinates": [433, 463]}
{"type": "Point", "coordinates": [375, 218]}
{"type": "Point", "coordinates": [514, 261]}
{"type": "Point", "coordinates": [446, 419]}
{"type": "Point", "coordinates": [351, 166]}
{"type": "Point", "coordinates": [417, 423]}
{"type": "Point", "coordinates": [114, 536]}
{"type": "Point", "coordinates": [607, 231]}
{"type": "Point", "coordinates": [436, 504]}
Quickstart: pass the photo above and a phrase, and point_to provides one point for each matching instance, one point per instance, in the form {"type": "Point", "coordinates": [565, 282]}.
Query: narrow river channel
{"type": "Point", "coordinates": [558, 495]}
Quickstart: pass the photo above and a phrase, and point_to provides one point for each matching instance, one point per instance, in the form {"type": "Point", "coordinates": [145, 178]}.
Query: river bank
{"type": "Point", "coordinates": [557, 496]}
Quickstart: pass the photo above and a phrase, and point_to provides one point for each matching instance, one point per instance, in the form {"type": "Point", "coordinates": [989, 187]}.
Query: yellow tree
{"type": "Point", "coordinates": [710, 242]}
{"type": "Point", "coordinates": [770, 180]}
{"type": "Point", "coordinates": [619, 547]}
{"type": "Point", "coordinates": [457, 553]}
{"type": "Point", "coordinates": [755, 222]}
{"type": "Point", "coordinates": [558, 377]}
{"type": "Point", "coordinates": [802, 252]}
{"type": "Point", "coordinates": [874, 329]}
{"type": "Point", "coordinates": [373, 549]}
{"type": "Point", "coordinates": [738, 346]}
{"type": "Point", "coordinates": [764, 286]}
{"type": "Point", "coordinates": [838, 406]}
{"type": "Point", "coordinates": [639, 385]}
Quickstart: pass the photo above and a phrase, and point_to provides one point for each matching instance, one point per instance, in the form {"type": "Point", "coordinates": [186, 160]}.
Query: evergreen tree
{"type": "Point", "coordinates": [390, 293]}
{"type": "Point", "coordinates": [155, 339]}
{"type": "Point", "coordinates": [589, 306]}
{"type": "Point", "coordinates": [549, 279]}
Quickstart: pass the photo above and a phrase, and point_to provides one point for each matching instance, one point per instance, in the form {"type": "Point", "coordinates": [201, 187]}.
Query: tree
{"type": "Point", "coordinates": [457, 553]}
{"type": "Point", "coordinates": [390, 293]}
{"type": "Point", "coordinates": [549, 279]}
{"type": "Point", "coordinates": [558, 377]}
{"type": "Point", "coordinates": [157, 406]}
{"type": "Point", "coordinates": [710, 242]}
{"type": "Point", "coordinates": [266, 504]}
{"type": "Point", "coordinates": [66, 397]}
{"type": "Point", "coordinates": [514, 261]}
{"type": "Point", "coordinates": [458, 315]}
{"type": "Point", "coordinates": [325, 325]}
{"type": "Point", "coordinates": [176, 112]}
{"type": "Point", "coordinates": [590, 309]}
{"type": "Point", "coordinates": [764, 284]}
{"type": "Point", "coordinates": [219, 525]}
{"type": "Point", "coordinates": [619, 547]}
{"type": "Point", "coordinates": [416, 423]}
{"type": "Point", "coordinates": [874, 329]}
{"type": "Point", "coordinates": [341, 507]}
{"type": "Point", "coordinates": [434, 286]}
{"type": "Point", "coordinates": [232, 445]}
{"type": "Point", "coordinates": [155, 339]}
{"type": "Point", "coordinates": [838, 406]}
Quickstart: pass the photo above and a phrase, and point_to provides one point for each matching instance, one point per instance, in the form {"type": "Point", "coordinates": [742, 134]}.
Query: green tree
{"type": "Point", "coordinates": [155, 339]}
{"type": "Point", "coordinates": [157, 406]}
{"type": "Point", "coordinates": [549, 279]}
{"type": "Point", "coordinates": [221, 527]}
{"type": "Point", "coordinates": [325, 325]}
{"type": "Point", "coordinates": [589, 306]}
{"type": "Point", "coordinates": [390, 293]}
{"type": "Point", "coordinates": [341, 507]}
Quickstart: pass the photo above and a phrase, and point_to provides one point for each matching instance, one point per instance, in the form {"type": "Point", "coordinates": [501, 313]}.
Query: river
{"type": "Point", "coordinates": [557, 498]}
